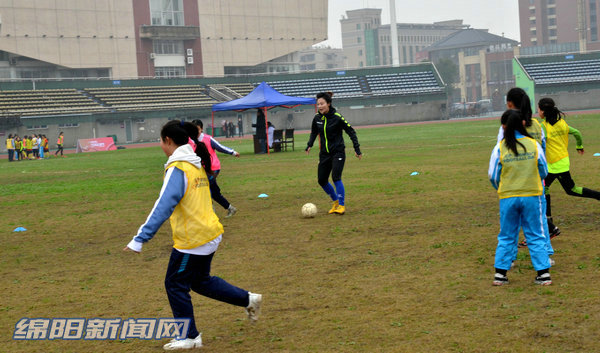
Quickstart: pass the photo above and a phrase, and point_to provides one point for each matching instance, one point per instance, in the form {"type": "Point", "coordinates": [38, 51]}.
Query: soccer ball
{"type": "Point", "coordinates": [309, 210]}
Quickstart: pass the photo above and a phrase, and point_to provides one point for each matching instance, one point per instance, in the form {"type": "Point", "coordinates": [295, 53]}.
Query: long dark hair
{"type": "Point", "coordinates": [180, 132]}
{"type": "Point", "coordinates": [551, 112]}
{"type": "Point", "coordinates": [513, 123]}
{"type": "Point", "coordinates": [521, 101]}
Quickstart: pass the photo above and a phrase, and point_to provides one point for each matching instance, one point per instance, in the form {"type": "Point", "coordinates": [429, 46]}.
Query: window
{"type": "Point", "coordinates": [552, 33]}
{"type": "Point", "coordinates": [360, 64]}
{"type": "Point", "coordinates": [169, 71]}
{"type": "Point", "coordinates": [168, 47]}
{"type": "Point", "coordinates": [37, 127]}
{"type": "Point", "coordinates": [307, 57]}
{"type": "Point", "coordinates": [69, 125]}
{"type": "Point", "coordinates": [552, 11]}
{"type": "Point", "coordinates": [531, 2]}
{"type": "Point", "coordinates": [532, 12]}
{"type": "Point", "coordinates": [166, 12]}
{"type": "Point", "coordinates": [532, 22]}
{"type": "Point", "coordinates": [358, 26]}
{"type": "Point", "coordinates": [358, 39]}
{"type": "Point", "coordinates": [552, 21]}
{"type": "Point", "coordinates": [533, 32]}
{"type": "Point", "coordinates": [360, 52]}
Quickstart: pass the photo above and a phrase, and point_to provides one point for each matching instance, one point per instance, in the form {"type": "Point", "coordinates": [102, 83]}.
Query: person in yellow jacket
{"type": "Point", "coordinates": [517, 168]}
{"type": "Point", "coordinates": [185, 199]}
{"type": "Point", "coordinates": [557, 153]}
{"type": "Point", "coordinates": [10, 147]}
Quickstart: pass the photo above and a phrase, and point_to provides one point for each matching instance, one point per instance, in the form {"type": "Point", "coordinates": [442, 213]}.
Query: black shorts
{"type": "Point", "coordinates": [331, 163]}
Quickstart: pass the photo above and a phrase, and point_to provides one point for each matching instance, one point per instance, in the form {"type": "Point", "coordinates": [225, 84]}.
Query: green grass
{"type": "Point", "coordinates": [408, 268]}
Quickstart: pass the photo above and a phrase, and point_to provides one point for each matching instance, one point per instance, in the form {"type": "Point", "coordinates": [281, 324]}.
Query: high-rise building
{"type": "Point", "coordinates": [554, 26]}
{"type": "Point", "coordinates": [367, 42]}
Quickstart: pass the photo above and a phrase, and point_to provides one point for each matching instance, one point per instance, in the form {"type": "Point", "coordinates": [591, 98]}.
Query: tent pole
{"type": "Point", "coordinates": [267, 130]}
{"type": "Point", "coordinates": [212, 127]}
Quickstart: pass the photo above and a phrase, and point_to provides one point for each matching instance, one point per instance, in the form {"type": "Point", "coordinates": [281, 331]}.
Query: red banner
{"type": "Point", "coordinates": [95, 145]}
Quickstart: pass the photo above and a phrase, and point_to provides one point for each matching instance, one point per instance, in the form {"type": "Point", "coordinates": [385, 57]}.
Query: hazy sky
{"type": "Point", "coordinates": [496, 15]}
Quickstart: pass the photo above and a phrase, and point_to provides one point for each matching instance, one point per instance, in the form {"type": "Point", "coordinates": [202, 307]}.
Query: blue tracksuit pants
{"type": "Point", "coordinates": [185, 272]}
{"type": "Point", "coordinates": [528, 213]}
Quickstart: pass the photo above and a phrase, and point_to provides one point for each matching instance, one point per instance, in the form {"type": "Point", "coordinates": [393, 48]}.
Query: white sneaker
{"type": "Point", "coordinates": [187, 343]}
{"type": "Point", "coordinates": [231, 211]}
{"type": "Point", "coordinates": [253, 308]}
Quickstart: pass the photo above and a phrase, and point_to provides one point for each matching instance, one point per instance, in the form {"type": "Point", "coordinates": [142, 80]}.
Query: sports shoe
{"type": "Point", "coordinates": [523, 244]}
{"type": "Point", "coordinates": [340, 209]}
{"type": "Point", "coordinates": [187, 343]}
{"type": "Point", "coordinates": [231, 211]}
{"type": "Point", "coordinates": [554, 232]}
{"type": "Point", "coordinates": [336, 203]}
{"type": "Point", "coordinates": [500, 279]}
{"type": "Point", "coordinates": [543, 280]}
{"type": "Point", "coordinates": [253, 308]}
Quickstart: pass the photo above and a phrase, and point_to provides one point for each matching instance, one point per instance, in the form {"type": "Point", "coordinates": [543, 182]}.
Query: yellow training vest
{"type": "Point", "coordinates": [557, 141]}
{"type": "Point", "coordinates": [535, 130]}
{"type": "Point", "coordinates": [194, 221]}
{"type": "Point", "coordinates": [519, 176]}
{"type": "Point", "coordinates": [9, 144]}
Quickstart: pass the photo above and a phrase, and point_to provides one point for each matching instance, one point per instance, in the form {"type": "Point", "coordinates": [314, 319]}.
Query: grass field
{"type": "Point", "coordinates": [407, 269]}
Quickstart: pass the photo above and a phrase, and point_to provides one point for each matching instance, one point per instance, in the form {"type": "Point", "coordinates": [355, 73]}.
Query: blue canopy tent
{"type": "Point", "coordinates": [262, 97]}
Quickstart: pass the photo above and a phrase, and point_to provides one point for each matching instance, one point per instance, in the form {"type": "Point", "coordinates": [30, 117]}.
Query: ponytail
{"type": "Point", "coordinates": [521, 101]}
{"type": "Point", "coordinates": [551, 112]}
{"type": "Point", "coordinates": [180, 132]}
{"type": "Point", "coordinates": [513, 122]}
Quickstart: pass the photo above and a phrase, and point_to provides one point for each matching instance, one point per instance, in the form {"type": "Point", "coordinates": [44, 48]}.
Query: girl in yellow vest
{"type": "Point", "coordinates": [557, 154]}
{"type": "Point", "coordinates": [517, 168]}
{"type": "Point", "coordinates": [59, 144]}
{"type": "Point", "coordinates": [517, 98]}
{"type": "Point", "coordinates": [185, 199]}
{"type": "Point", "coordinates": [10, 147]}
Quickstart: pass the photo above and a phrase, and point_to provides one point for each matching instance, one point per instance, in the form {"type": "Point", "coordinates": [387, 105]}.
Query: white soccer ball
{"type": "Point", "coordinates": [309, 210]}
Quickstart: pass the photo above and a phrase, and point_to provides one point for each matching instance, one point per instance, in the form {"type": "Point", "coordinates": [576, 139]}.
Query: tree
{"type": "Point", "coordinates": [449, 72]}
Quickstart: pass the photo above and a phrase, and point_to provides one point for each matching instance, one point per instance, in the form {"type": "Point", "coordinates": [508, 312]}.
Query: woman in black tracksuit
{"type": "Point", "coordinates": [329, 125]}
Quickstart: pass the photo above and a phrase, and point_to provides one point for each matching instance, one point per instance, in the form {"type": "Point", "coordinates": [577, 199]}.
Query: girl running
{"type": "Point", "coordinates": [59, 144]}
{"type": "Point", "coordinates": [517, 168]}
{"type": "Point", "coordinates": [185, 199]}
{"type": "Point", "coordinates": [329, 125]}
{"type": "Point", "coordinates": [212, 145]}
{"type": "Point", "coordinates": [557, 154]}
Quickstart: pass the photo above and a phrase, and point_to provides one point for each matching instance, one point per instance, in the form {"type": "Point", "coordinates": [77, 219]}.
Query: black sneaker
{"type": "Point", "coordinates": [543, 280]}
{"type": "Point", "coordinates": [554, 232]}
{"type": "Point", "coordinates": [500, 279]}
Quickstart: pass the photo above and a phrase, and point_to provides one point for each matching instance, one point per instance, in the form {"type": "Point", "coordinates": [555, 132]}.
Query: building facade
{"type": "Point", "coordinates": [483, 60]}
{"type": "Point", "coordinates": [558, 26]}
{"type": "Point", "coordinates": [367, 42]}
{"type": "Point", "coordinates": [151, 38]}
{"type": "Point", "coordinates": [67, 38]}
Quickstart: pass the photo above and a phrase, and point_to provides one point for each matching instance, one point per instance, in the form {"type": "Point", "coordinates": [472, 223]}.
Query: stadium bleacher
{"type": "Point", "coordinates": [151, 97]}
{"type": "Point", "coordinates": [46, 102]}
{"type": "Point", "coordinates": [359, 84]}
{"type": "Point", "coordinates": [404, 83]}
{"type": "Point", "coordinates": [564, 71]}
{"type": "Point", "coordinates": [343, 87]}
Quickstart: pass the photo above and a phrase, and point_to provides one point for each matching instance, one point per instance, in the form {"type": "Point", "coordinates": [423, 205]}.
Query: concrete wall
{"type": "Point", "coordinates": [149, 129]}
{"type": "Point", "coordinates": [250, 32]}
{"type": "Point", "coordinates": [574, 100]}
{"type": "Point", "coordinates": [72, 33]}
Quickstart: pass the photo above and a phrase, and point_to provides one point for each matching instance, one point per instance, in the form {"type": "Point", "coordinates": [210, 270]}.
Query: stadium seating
{"type": "Point", "coordinates": [343, 87]}
{"type": "Point", "coordinates": [151, 97]}
{"type": "Point", "coordinates": [403, 83]}
{"type": "Point", "coordinates": [564, 71]}
{"type": "Point", "coordinates": [46, 102]}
